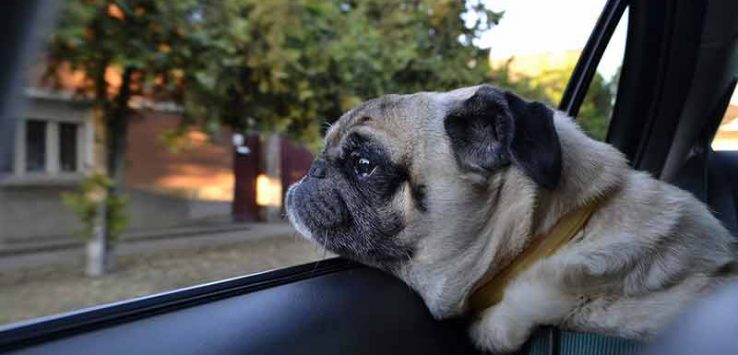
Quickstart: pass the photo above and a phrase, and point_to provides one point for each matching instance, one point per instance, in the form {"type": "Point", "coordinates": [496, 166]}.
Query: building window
{"type": "Point", "coordinates": [36, 146]}
{"type": "Point", "coordinates": [53, 143]}
{"type": "Point", "coordinates": [50, 147]}
{"type": "Point", "coordinates": [68, 142]}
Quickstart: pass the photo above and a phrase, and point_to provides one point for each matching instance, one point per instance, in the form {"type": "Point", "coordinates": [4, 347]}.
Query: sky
{"type": "Point", "coordinates": [540, 26]}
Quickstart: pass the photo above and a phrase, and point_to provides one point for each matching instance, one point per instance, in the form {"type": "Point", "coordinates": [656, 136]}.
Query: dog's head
{"type": "Point", "coordinates": [400, 168]}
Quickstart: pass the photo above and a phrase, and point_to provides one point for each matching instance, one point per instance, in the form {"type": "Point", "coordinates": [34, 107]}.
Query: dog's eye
{"type": "Point", "coordinates": [363, 167]}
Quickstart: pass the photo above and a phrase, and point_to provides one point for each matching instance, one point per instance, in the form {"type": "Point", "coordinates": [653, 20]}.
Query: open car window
{"type": "Point", "coordinates": [155, 312]}
{"type": "Point", "coordinates": [156, 139]}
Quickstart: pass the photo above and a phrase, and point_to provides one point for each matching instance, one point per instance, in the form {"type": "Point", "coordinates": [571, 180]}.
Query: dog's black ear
{"type": "Point", "coordinates": [494, 127]}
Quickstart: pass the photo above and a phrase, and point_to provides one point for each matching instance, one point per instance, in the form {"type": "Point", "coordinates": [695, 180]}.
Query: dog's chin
{"type": "Point", "coordinates": [299, 216]}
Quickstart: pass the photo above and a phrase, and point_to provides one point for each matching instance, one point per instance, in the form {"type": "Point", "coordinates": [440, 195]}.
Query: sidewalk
{"type": "Point", "coordinates": [29, 255]}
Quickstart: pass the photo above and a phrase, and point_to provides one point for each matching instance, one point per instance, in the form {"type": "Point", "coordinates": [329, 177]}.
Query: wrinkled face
{"type": "Point", "coordinates": [352, 200]}
{"type": "Point", "coordinates": [374, 189]}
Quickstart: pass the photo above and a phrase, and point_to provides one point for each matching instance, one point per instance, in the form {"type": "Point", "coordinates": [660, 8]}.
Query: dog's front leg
{"type": "Point", "coordinates": [534, 298]}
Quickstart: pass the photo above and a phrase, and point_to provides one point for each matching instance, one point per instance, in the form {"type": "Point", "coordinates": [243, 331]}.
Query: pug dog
{"type": "Point", "coordinates": [445, 189]}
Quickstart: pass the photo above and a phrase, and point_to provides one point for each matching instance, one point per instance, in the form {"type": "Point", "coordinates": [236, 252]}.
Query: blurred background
{"type": "Point", "coordinates": [157, 137]}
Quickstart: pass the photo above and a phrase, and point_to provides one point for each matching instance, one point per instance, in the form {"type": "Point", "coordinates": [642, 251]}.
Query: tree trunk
{"type": "Point", "coordinates": [100, 248]}
{"type": "Point", "coordinates": [99, 254]}
{"type": "Point", "coordinates": [117, 130]}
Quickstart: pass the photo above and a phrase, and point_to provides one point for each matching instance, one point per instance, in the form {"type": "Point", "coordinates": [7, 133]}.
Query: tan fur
{"type": "Point", "coordinates": [643, 256]}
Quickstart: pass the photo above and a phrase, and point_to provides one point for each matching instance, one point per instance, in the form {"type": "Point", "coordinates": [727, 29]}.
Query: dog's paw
{"type": "Point", "coordinates": [499, 332]}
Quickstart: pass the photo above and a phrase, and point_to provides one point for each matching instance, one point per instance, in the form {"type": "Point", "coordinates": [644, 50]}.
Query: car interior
{"type": "Point", "coordinates": [679, 71]}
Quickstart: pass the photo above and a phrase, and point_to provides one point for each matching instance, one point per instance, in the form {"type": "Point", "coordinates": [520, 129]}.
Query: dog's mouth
{"type": "Point", "coordinates": [321, 214]}
{"type": "Point", "coordinates": [314, 213]}
{"type": "Point", "coordinates": [323, 218]}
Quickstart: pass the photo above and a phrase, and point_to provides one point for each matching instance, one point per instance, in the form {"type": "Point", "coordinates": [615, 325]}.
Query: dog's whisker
{"type": "Point", "coordinates": [315, 267]}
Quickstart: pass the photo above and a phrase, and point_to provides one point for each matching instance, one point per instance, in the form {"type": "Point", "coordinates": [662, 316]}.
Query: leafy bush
{"type": "Point", "coordinates": [86, 201]}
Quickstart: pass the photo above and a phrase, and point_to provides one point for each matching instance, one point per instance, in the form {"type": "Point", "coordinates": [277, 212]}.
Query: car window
{"type": "Point", "coordinates": [726, 137]}
{"type": "Point", "coordinates": [158, 138]}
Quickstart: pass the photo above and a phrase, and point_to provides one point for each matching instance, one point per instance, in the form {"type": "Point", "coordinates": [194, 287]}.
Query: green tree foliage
{"type": "Point", "coordinates": [84, 202]}
{"type": "Point", "coordinates": [144, 42]}
{"type": "Point", "coordinates": [284, 65]}
{"type": "Point", "coordinates": [290, 65]}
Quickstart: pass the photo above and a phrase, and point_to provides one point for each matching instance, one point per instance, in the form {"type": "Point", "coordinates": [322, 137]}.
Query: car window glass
{"type": "Point", "coordinates": [726, 137]}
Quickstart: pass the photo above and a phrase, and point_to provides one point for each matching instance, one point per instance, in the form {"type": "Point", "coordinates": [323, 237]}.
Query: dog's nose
{"type": "Point", "coordinates": [317, 170]}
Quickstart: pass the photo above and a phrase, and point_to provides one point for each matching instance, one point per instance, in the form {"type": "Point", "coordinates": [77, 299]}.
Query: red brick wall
{"type": "Point", "coordinates": [201, 169]}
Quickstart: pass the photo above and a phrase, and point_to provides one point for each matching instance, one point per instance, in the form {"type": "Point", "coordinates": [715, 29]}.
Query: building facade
{"type": "Point", "coordinates": [169, 184]}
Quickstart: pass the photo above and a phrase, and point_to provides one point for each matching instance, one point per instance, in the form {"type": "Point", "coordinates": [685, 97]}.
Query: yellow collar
{"type": "Point", "coordinates": [490, 293]}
